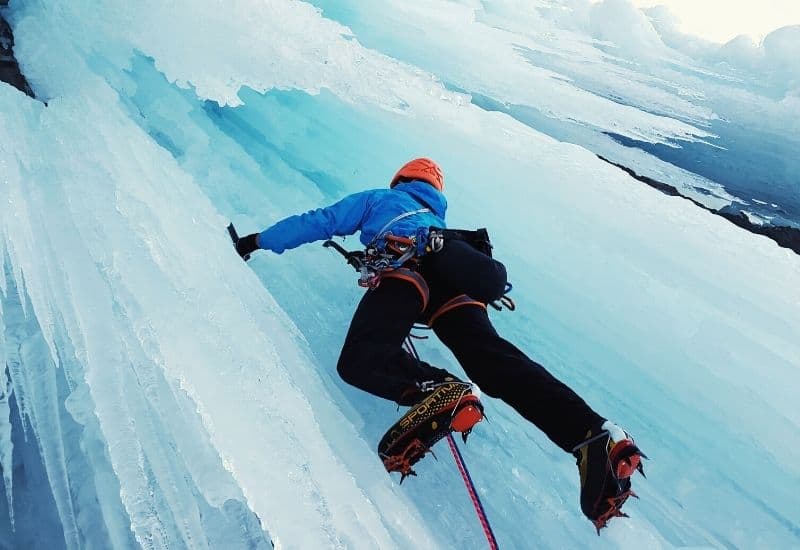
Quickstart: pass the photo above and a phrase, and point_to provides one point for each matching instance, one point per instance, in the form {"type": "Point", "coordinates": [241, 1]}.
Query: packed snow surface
{"type": "Point", "coordinates": [161, 393]}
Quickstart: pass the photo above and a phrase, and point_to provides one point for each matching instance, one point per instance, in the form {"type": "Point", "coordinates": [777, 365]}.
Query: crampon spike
{"type": "Point", "coordinates": [404, 475]}
{"type": "Point", "coordinates": [402, 462]}
{"type": "Point", "coordinates": [614, 510]}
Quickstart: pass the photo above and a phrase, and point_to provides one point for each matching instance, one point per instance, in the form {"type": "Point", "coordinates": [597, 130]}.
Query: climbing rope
{"type": "Point", "coordinates": [473, 493]}
{"type": "Point", "coordinates": [462, 469]}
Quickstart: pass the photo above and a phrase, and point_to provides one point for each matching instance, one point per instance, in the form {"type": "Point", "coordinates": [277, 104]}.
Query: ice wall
{"type": "Point", "coordinates": [160, 389]}
{"type": "Point", "coordinates": [600, 74]}
{"type": "Point", "coordinates": [175, 399]}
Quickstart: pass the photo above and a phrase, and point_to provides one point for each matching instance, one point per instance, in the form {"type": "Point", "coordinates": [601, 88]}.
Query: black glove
{"type": "Point", "coordinates": [247, 245]}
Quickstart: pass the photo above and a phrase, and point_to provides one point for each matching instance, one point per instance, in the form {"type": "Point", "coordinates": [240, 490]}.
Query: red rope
{"type": "Point", "coordinates": [462, 469]}
{"type": "Point", "coordinates": [473, 494]}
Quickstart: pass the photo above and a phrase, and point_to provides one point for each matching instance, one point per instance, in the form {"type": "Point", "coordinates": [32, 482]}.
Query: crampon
{"type": "Point", "coordinates": [624, 459]}
{"type": "Point", "coordinates": [606, 461]}
{"type": "Point", "coordinates": [451, 407]}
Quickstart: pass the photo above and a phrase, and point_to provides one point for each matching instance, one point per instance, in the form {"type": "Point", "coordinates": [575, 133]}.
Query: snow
{"type": "Point", "coordinates": [619, 22]}
{"type": "Point", "coordinates": [545, 64]}
{"type": "Point", "coordinates": [162, 393]}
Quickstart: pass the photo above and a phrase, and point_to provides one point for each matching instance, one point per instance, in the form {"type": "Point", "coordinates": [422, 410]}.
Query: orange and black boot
{"type": "Point", "coordinates": [450, 406]}
{"type": "Point", "coordinates": [606, 460]}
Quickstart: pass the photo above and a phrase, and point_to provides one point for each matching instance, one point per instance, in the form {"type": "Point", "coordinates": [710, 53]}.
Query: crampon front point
{"type": "Point", "coordinates": [624, 459]}
{"type": "Point", "coordinates": [450, 408]}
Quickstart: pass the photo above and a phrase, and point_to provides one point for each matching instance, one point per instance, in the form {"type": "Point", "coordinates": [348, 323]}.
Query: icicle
{"type": "Point", "coordinates": [6, 446]}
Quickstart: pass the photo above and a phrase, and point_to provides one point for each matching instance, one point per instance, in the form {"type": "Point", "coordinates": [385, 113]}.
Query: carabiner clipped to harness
{"type": "Point", "coordinates": [372, 263]}
{"type": "Point", "coordinates": [504, 300]}
{"type": "Point", "coordinates": [435, 241]}
{"type": "Point", "coordinates": [398, 250]}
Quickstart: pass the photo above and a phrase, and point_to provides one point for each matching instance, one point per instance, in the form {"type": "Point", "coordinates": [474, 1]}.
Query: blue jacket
{"type": "Point", "coordinates": [367, 211]}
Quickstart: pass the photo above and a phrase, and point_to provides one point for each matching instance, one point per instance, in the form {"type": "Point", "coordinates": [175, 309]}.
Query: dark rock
{"type": "Point", "coordinates": [787, 237]}
{"type": "Point", "coordinates": [9, 68]}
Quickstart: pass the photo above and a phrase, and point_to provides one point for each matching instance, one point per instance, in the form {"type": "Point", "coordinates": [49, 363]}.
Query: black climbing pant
{"type": "Point", "coordinates": [373, 358]}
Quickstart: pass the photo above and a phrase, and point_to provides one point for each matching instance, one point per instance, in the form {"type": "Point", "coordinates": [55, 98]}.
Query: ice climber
{"type": "Point", "coordinates": [418, 273]}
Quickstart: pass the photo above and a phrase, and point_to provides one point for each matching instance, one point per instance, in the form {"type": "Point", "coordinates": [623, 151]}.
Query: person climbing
{"type": "Point", "coordinates": [417, 271]}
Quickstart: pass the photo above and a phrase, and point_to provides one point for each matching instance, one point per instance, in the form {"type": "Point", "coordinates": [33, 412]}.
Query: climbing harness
{"type": "Point", "coordinates": [386, 252]}
{"type": "Point", "coordinates": [391, 256]}
{"type": "Point", "coordinates": [373, 264]}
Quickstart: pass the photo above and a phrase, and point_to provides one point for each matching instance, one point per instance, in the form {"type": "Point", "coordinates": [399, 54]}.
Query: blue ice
{"type": "Point", "coordinates": [160, 393]}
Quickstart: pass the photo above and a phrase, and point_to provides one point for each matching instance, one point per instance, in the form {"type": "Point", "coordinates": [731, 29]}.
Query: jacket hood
{"type": "Point", "coordinates": [426, 194]}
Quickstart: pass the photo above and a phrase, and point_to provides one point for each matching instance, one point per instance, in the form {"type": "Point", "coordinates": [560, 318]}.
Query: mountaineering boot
{"type": "Point", "coordinates": [434, 377]}
{"type": "Point", "coordinates": [606, 461]}
{"type": "Point", "coordinates": [450, 406]}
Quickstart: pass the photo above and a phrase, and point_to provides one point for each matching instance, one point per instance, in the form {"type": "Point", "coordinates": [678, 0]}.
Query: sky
{"type": "Point", "coordinates": [722, 20]}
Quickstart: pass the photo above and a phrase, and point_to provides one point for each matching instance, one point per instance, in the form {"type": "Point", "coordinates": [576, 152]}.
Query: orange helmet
{"type": "Point", "coordinates": [420, 169]}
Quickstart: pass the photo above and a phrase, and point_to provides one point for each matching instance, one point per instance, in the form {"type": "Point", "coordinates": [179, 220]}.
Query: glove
{"type": "Point", "coordinates": [247, 245]}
